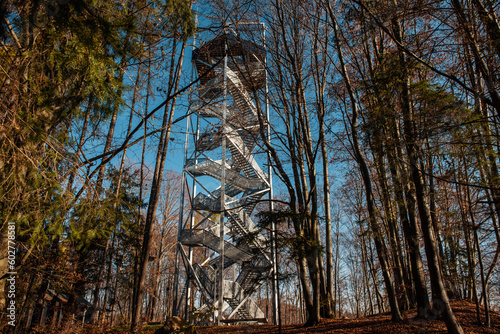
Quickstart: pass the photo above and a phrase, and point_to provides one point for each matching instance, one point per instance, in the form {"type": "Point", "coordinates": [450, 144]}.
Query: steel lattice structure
{"type": "Point", "coordinates": [227, 183]}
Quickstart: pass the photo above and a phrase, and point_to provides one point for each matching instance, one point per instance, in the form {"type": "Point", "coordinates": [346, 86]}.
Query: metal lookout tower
{"type": "Point", "coordinates": [220, 251]}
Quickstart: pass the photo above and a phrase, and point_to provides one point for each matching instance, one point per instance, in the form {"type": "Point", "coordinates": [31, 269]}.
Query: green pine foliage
{"type": "Point", "coordinates": [66, 64]}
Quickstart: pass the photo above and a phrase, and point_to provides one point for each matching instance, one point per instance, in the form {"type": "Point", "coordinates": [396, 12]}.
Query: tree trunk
{"type": "Point", "coordinates": [391, 225]}
{"type": "Point", "coordinates": [481, 266]}
{"type": "Point", "coordinates": [174, 78]}
{"type": "Point", "coordinates": [411, 234]}
{"type": "Point", "coordinates": [306, 290]}
{"type": "Point", "coordinates": [320, 88]}
{"type": "Point", "coordinates": [470, 256]}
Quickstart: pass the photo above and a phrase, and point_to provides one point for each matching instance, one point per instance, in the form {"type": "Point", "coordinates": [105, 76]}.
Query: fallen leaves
{"type": "Point", "coordinates": [380, 323]}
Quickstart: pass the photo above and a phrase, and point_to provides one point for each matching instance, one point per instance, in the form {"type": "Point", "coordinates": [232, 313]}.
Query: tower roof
{"type": "Point", "coordinates": [236, 47]}
{"type": "Point", "coordinates": [212, 51]}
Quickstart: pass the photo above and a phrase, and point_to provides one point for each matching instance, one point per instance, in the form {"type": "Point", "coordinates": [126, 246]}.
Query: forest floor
{"type": "Point", "coordinates": [379, 323]}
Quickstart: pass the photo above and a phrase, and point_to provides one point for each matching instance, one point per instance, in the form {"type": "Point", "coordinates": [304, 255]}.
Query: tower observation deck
{"type": "Point", "coordinates": [222, 257]}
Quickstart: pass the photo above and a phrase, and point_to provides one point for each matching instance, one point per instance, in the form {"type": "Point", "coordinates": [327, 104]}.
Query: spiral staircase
{"type": "Point", "coordinates": [228, 181]}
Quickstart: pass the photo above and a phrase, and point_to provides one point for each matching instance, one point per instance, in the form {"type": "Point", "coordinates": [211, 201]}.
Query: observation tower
{"type": "Point", "coordinates": [220, 251]}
